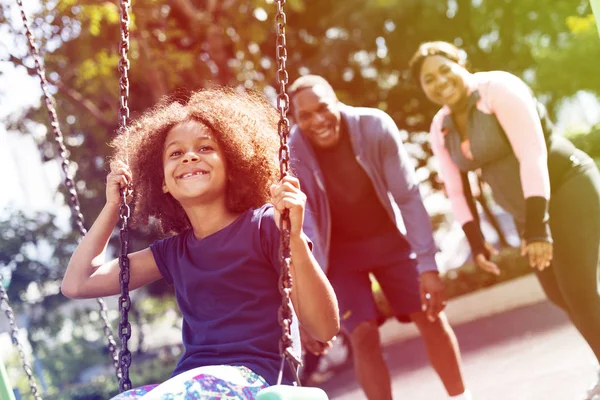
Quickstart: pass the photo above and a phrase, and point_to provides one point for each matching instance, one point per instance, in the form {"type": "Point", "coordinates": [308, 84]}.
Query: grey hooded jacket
{"type": "Point", "coordinates": [379, 150]}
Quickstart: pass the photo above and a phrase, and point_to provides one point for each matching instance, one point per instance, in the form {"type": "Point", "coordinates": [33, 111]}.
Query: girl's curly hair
{"type": "Point", "coordinates": [244, 125]}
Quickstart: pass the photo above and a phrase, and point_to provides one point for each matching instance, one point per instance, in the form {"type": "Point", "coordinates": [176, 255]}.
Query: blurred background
{"type": "Point", "coordinates": [361, 47]}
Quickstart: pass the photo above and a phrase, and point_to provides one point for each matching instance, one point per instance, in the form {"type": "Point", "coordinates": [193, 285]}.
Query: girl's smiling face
{"type": "Point", "coordinates": [193, 165]}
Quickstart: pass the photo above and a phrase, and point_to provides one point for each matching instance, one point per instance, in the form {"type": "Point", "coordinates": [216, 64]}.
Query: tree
{"type": "Point", "coordinates": [33, 255]}
{"type": "Point", "coordinates": [362, 48]}
{"type": "Point", "coordinates": [571, 63]}
{"type": "Point", "coordinates": [35, 251]}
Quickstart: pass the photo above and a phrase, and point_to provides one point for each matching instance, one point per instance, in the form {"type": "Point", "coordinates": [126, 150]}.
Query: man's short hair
{"type": "Point", "coordinates": [308, 82]}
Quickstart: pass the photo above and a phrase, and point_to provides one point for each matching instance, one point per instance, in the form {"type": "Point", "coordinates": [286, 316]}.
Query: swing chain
{"type": "Point", "coordinates": [58, 136]}
{"type": "Point", "coordinates": [124, 299]}
{"type": "Point", "coordinates": [124, 209]}
{"type": "Point", "coordinates": [284, 314]}
{"type": "Point", "coordinates": [124, 65]}
{"type": "Point", "coordinates": [69, 182]}
{"type": "Point", "coordinates": [14, 334]}
{"type": "Point", "coordinates": [283, 100]}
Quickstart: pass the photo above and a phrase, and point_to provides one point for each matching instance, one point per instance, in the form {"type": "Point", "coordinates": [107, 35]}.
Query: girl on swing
{"type": "Point", "coordinates": [207, 171]}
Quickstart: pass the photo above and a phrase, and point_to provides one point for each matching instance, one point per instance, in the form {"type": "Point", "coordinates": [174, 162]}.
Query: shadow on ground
{"type": "Point", "coordinates": [473, 336]}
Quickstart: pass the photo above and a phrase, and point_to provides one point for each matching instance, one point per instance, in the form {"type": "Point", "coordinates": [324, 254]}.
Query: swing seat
{"type": "Point", "coordinates": [288, 392]}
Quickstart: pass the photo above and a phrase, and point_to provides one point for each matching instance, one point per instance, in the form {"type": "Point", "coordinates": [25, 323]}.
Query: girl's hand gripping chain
{"type": "Point", "coordinates": [117, 180]}
{"type": "Point", "coordinates": [287, 194]}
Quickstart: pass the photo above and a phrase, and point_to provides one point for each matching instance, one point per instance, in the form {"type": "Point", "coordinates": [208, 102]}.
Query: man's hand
{"type": "Point", "coordinates": [313, 345]}
{"type": "Point", "coordinates": [433, 294]}
{"type": "Point", "coordinates": [539, 254]}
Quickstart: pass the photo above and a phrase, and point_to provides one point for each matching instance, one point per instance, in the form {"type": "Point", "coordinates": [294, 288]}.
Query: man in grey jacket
{"type": "Point", "coordinates": [362, 196]}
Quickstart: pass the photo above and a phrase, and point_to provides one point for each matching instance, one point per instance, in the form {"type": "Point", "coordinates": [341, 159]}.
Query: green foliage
{"type": "Point", "coordinates": [95, 391]}
{"type": "Point", "coordinates": [589, 142]}
{"type": "Point", "coordinates": [35, 251]}
{"type": "Point", "coordinates": [16, 374]}
{"type": "Point", "coordinates": [362, 48]}
{"type": "Point", "coordinates": [151, 371]}
{"type": "Point", "coordinates": [569, 64]}
{"type": "Point", "coordinates": [63, 362]}
{"type": "Point", "coordinates": [581, 25]}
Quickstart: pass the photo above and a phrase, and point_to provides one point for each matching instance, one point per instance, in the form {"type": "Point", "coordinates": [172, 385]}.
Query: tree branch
{"type": "Point", "coordinates": [151, 74]}
{"type": "Point", "coordinates": [86, 104]}
{"type": "Point", "coordinates": [75, 96]}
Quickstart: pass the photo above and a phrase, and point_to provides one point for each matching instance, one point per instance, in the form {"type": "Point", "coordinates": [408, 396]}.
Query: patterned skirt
{"type": "Point", "coordinates": [219, 382]}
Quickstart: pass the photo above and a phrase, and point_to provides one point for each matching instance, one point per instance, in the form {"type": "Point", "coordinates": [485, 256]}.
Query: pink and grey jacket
{"type": "Point", "coordinates": [509, 139]}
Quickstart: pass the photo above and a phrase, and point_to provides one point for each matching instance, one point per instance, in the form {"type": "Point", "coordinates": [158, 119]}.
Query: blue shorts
{"type": "Point", "coordinates": [389, 258]}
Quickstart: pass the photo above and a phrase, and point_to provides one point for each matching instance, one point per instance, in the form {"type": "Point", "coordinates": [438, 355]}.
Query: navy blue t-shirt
{"type": "Point", "coordinates": [226, 286]}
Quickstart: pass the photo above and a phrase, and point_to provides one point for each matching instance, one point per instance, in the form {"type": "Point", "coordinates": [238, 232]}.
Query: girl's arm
{"type": "Point", "coordinates": [87, 275]}
{"type": "Point", "coordinates": [313, 297]}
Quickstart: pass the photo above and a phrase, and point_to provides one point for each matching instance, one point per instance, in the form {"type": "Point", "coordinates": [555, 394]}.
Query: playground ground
{"type": "Point", "coordinates": [515, 346]}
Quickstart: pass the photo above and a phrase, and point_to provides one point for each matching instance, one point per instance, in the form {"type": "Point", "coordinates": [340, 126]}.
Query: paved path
{"type": "Point", "coordinates": [527, 351]}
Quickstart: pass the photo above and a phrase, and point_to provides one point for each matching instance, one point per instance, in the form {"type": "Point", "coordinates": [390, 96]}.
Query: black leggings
{"type": "Point", "coordinates": [572, 282]}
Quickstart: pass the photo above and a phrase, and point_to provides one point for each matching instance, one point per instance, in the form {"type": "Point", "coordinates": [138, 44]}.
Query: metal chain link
{"type": "Point", "coordinates": [14, 334]}
{"type": "Point", "coordinates": [69, 182]}
{"type": "Point", "coordinates": [124, 65]}
{"type": "Point", "coordinates": [124, 210]}
{"type": "Point", "coordinates": [283, 100]}
{"type": "Point", "coordinates": [124, 299]}
{"type": "Point", "coordinates": [284, 314]}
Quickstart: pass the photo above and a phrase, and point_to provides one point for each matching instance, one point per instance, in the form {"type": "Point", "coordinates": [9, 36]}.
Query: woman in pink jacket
{"type": "Point", "coordinates": [491, 121]}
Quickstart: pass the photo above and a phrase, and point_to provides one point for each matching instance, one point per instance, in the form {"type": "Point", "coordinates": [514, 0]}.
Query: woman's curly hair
{"type": "Point", "coordinates": [244, 125]}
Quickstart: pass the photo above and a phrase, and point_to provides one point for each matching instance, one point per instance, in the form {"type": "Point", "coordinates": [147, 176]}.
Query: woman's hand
{"type": "Point", "coordinates": [117, 180]}
{"type": "Point", "coordinates": [287, 195]}
{"type": "Point", "coordinates": [539, 254]}
{"type": "Point", "coordinates": [484, 263]}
